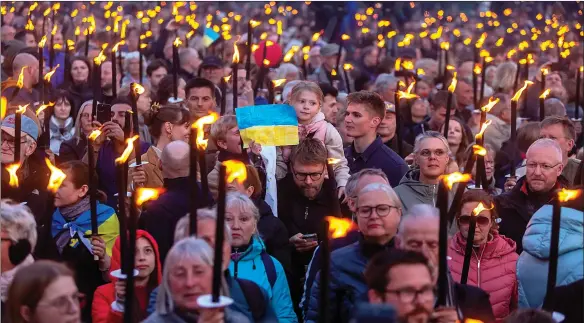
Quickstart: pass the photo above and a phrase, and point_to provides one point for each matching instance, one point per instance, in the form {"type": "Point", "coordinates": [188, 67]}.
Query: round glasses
{"type": "Point", "coordinates": [382, 210]}
{"type": "Point", "coordinates": [409, 294]}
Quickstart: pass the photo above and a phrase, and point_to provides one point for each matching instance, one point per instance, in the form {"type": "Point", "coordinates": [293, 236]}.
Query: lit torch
{"type": "Point", "coordinates": [470, 239]}
{"type": "Point", "coordinates": [235, 86]}
{"type": "Point", "coordinates": [201, 145]}
{"type": "Point", "coordinates": [451, 89]}
{"type": "Point", "coordinates": [11, 169]}
{"type": "Point", "coordinates": [542, 104]}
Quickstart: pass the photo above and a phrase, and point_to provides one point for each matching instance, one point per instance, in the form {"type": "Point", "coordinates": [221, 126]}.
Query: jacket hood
{"type": "Point", "coordinates": [116, 255]}
{"type": "Point", "coordinates": [536, 240]}
{"type": "Point", "coordinates": [412, 180]}
{"type": "Point", "coordinates": [318, 117]}
{"type": "Point", "coordinates": [499, 246]}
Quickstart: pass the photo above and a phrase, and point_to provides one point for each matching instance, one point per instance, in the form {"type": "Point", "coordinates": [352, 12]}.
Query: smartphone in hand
{"type": "Point", "coordinates": [310, 237]}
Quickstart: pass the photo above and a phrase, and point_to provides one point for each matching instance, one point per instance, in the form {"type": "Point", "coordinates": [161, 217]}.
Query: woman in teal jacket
{"type": "Point", "coordinates": [532, 266]}
{"type": "Point", "coordinates": [249, 259]}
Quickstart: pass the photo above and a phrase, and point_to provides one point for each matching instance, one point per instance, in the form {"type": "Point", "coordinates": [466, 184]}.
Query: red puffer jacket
{"type": "Point", "coordinates": [492, 268]}
{"type": "Point", "coordinates": [101, 311]}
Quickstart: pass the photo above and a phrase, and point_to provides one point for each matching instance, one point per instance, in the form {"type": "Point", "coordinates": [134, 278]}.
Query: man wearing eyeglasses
{"type": "Point", "coordinates": [420, 185]}
{"type": "Point", "coordinates": [33, 174]}
{"type": "Point", "coordinates": [537, 188]}
{"type": "Point", "coordinates": [562, 131]}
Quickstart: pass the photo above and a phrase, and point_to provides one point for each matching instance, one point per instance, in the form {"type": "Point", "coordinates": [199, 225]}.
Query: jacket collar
{"type": "Point", "coordinates": [369, 249]}
{"type": "Point", "coordinates": [366, 155]}
{"type": "Point", "coordinates": [176, 184]}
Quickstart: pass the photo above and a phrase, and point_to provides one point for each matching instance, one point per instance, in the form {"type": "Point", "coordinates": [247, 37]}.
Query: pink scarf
{"type": "Point", "coordinates": [316, 127]}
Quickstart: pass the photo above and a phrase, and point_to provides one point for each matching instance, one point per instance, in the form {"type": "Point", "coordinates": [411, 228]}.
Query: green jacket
{"type": "Point", "coordinates": [411, 191]}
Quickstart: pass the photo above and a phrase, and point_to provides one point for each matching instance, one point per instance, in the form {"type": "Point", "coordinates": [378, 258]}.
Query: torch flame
{"type": "Point", "coordinates": [227, 78]}
{"type": "Point", "coordinates": [200, 126]}
{"type": "Point", "coordinates": [315, 37]}
{"type": "Point", "coordinates": [484, 127]}
{"type": "Point", "coordinates": [480, 208]}
{"type": "Point", "coordinates": [445, 45]}
{"type": "Point", "coordinates": [566, 195]}
{"type": "Point", "coordinates": [20, 82]}
{"type": "Point", "coordinates": [137, 89]}
{"type": "Point", "coordinates": [545, 71]}
{"type": "Point", "coordinates": [408, 93]}
{"type": "Point", "coordinates": [47, 12]}
{"type": "Point", "coordinates": [11, 169]}
{"type": "Point", "coordinates": [235, 53]}
{"type": "Point", "coordinates": [266, 62]}
{"type": "Point", "coordinates": [43, 107]}
{"type": "Point", "coordinates": [144, 195]}
{"type": "Point", "coordinates": [177, 42]}
{"type": "Point", "coordinates": [22, 108]}
{"type": "Point", "coordinates": [126, 154]}
{"type": "Point", "coordinates": [479, 150]}
{"type": "Point", "coordinates": [347, 66]}
{"type": "Point", "coordinates": [545, 94]}
{"type": "Point", "coordinates": [345, 37]}
{"type": "Point", "coordinates": [254, 23]}
{"type": "Point", "coordinates": [43, 42]}
{"type": "Point", "coordinates": [115, 48]}
{"type": "Point", "coordinates": [94, 134]}
{"type": "Point", "coordinates": [338, 227]}
{"type": "Point", "coordinates": [100, 58]}
{"type": "Point", "coordinates": [29, 25]}
{"type": "Point", "coordinates": [520, 91]}
{"type": "Point", "coordinates": [487, 108]}
{"type": "Point", "coordinates": [455, 177]}
{"type": "Point", "coordinates": [57, 177]}
{"type": "Point", "coordinates": [48, 76]}
{"type": "Point", "coordinates": [235, 171]}
{"type": "Point", "coordinates": [477, 69]}
{"type": "Point", "coordinates": [3, 104]}
{"type": "Point", "coordinates": [279, 27]}
{"type": "Point", "coordinates": [420, 71]}
{"type": "Point", "coordinates": [54, 31]}
{"type": "Point", "coordinates": [581, 69]}
{"type": "Point", "coordinates": [334, 72]}
{"type": "Point", "coordinates": [278, 82]}
{"type": "Point", "coordinates": [453, 83]}
{"type": "Point", "coordinates": [332, 161]}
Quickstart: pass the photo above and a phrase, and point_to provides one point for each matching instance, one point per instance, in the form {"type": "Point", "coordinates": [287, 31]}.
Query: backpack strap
{"type": "Point", "coordinates": [254, 296]}
{"type": "Point", "coordinates": [270, 267]}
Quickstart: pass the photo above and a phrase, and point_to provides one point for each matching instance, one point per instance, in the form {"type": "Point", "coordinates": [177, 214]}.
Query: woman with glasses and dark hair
{"type": "Point", "coordinates": [493, 258]}
{"type": "Point", "coordinates": [44, 292]}
{"type": "Point", "coordinates": [378, 213]}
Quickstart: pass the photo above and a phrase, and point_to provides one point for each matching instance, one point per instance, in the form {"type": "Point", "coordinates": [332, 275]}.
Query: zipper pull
{"type": "Point", "coordinates": [306, 213]}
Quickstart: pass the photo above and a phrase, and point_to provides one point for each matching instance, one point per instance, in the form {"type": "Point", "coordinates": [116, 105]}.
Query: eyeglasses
{"type": "Point", "coordinates": [313, 176]}
{"type": "Point", "coordinates": [481, 220]}
{"type": "Point", "coordinates": [409, 294]}
{"type": "Point", "coordinates": [63, 303]}
{"type": "Point", "coordinates": [382, 210]}
{"type": "Point", "coordinates": [10, 141]}
{"type": "Point", "coordinates": [544, 167]}
{"type": "Point", "coordinates": [427, 153]}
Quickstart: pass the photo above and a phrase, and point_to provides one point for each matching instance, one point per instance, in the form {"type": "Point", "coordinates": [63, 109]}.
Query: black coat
{"type": "Point", "coordinates": [568, 300]}
{"type": "Point", "coordinates": [161, 215]}
{"type": "Point", "coordinates": [406, 148]}
{"type": "Point", "coordinates": [274, 234]}
{"type": "Point", "coordinates": [72, 149]}
{"type": "Point", "coordinates": [516, 207]}
{"type": "Point", "coordinates": [473, 303]}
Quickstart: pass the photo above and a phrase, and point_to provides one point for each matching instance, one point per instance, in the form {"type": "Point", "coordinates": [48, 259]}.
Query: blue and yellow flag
{"type": "Point", "coordinates": [268, 125]}
{"type": "Point", "coordinates": [210, 36]}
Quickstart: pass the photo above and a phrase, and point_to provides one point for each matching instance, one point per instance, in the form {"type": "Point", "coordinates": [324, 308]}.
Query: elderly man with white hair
{"type": "Point", "coordinates": [378, 211]}
{"type": "Point", "coordinates": [532, 191]}
{"type": "Point", "coordinates": [19, 238]}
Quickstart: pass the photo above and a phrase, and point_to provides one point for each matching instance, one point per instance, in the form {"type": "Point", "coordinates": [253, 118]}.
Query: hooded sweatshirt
{"type": "Point", "coordinates": [247, 263]}
{"type": "Point", "coordinates": [532, 266]}
{"type": "Point", "coordinates": [105, 295]}
{"type": "Point", "coordinates": [411, 191]}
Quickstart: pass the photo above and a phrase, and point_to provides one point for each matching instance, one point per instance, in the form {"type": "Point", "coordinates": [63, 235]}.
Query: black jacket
{"type": "Point", "coordinates": [72, 149]}
{"type": "Point", "coordinates": [473, 303]}
{"type": "Point", "coordinates": [568, 300]}
{"type": "Point", "coordinates": [274, 234]}
{"type": "Point", "coordinates": [161, 215]}
{"type": "Point", "coordinates": [516, 207]}
{"type": "Point", "coordinates": [406, 148]}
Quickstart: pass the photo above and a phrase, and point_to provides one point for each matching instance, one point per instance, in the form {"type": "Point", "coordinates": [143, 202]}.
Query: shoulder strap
{"type": "Point", "coordinates": [270, 268]}
{"type": "Point", "coordinates": [254, 297]}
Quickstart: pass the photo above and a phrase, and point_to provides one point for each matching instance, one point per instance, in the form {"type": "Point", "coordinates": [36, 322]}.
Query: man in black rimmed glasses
{"type": "Point", "coordinates": [532, 191]}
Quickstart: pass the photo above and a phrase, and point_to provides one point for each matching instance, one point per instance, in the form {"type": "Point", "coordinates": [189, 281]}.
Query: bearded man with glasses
{"type": "Point", "coordinates": [420, 184]}
{"type": "Point", "coordinates": [378, 211]}
{"type": "Point", "coordinates": [532, 191]}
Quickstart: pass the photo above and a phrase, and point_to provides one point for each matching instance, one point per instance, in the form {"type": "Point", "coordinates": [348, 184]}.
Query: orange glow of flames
{"type": "Point", "coordinates": [484, 127]}
{"type": "Point", "coordinates": [266, 62]}
{"type": "Point", "coordinates": [43, 42]}
{"type": "Point", "coordinates": [177, 42]}
{"type": "Point", "coordinates": [11, 169]}
{"type": "Point", "coordinates": [332, 161]}
{"type": "Point", "coordinates": [43, 107]}
{"type": "Point", "coordinates": [20, 82]}
{"type": "Point", "coordinates": [545, 94]}
{"type": "Point", "coordinates": [144, 194]}
{"type": "Point", "coordinates": [3, 105]}
{"type": "Point", "coordinates": [137, 89]}
{"type": "Point", "coordinates": [479, 150]}
{"type": "Point", "coordinates": [347, 66]}
{"type": "Point", "coordinates": [455, 177]}
{"type": "Point", "coordinates": [54, 31]}
{"type": "Point", "coordinates": [94, 134]}
{"type": "Point", "coordinates": [408, 65]}
{"type": "Point", "coordinates": [338, 227]}
{"type": "Point", "coordinates": [420, 71]}
{"type": "Point", "coordinates": [254, 23]}
{"type": "Point", "coordinates": [22, 108]}
{"type": "Point", "coordinates": [57, 177]}
{"type": "Point", "coordinates": [315, 37]}
{"type": "Point", "coordinates": [520, 91]}
{"type": "Point", "coordinates": [127, 151]}
{"type": "Point", "coordinates": [408, 93]}
{"type": "Point", "coordinates": [480, 208]}
{"type": "Point", "coordinates": [279, 82]}
{"type": "Point", "coordinates": [115, 48]}
{"type": "Point", "coordinates": [227, 78]}
{"type": "Point", "coordinates": [235, 171]}
{"type": "Point", "coordinates": [545, 71]}
{"type": "Point", "coordinates": [566, 195]}
{"type": "Point", "coordinates": [334, 72]}
{"type": "Point", "coordinates": [50, 74]}
{"type": "Point", "coordinates": [477, 69]}
{"type": "Point", "coordinates": [235, 59]}
{"type": "Point", "coordinates": [445, 45]}
{"type": "Point", "coordinates": [452, 86]}
{"type": "Point", "coordinates": [487, 108]}
{"type": "Point", "coordinates": [200, 126]}
{"type": "Point", "coordinates": [100, 58]}
{"type": "Point", "coordinates": [345, 37]}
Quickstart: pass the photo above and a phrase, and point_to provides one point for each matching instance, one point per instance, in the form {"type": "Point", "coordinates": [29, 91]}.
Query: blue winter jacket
{"type": "Point", "coordinates": [250, 266]}
{"type": "Point", "coordinates": [532, 266]}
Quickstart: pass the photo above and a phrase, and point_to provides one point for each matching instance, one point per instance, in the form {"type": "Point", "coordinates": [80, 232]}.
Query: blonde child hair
{"type": "Point", "coordinates": [306, 86]}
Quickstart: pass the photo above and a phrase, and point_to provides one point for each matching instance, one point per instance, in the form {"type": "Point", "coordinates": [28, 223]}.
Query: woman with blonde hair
{"type": "Point", "coordinates": [504, 79]}
{"type": "Point", "coordinates": [76, 147]}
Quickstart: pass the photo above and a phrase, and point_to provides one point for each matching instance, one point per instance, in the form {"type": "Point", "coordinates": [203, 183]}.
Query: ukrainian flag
{"type": "Point", "coordinates": [268, 125]}
{"type": "Point", "coordinates": [210, 36]}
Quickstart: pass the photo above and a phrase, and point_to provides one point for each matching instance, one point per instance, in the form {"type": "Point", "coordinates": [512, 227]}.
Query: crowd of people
{"type": "Point", "coordinates": [396, 105]}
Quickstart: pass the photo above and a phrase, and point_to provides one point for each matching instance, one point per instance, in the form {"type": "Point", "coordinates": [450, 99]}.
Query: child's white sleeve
{"type": "Point", "coordinates": [334, 147]}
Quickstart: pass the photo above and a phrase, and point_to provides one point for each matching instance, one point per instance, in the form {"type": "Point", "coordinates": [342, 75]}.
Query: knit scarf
{"type": "Point", "coordinates": [71, 212]}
